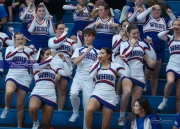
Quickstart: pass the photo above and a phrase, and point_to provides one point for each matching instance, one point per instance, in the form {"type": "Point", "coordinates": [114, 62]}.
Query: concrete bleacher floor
{"type": "Point", "coordinates": [61, 118]}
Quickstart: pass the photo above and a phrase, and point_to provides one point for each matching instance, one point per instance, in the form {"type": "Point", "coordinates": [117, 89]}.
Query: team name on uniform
{"type": "Point", "coordinates": [84, 14]}
{"type": "Point", "coordinates": [89, 56]}
{"type": "Point", "coordinates": [19, 59]}
{"type": "Point", "coordinates": [64, 47]}
{"type": "Point", "coordinates": [104, 26]}
{"type": "Point", "coordinates": [1, 44]}
{"type": "Point", "coordinates": [105, 77]}
{"type": "Point", "coordinates": [175, 47]}
{"type": "Point", "coordinates": [137, 53]}
{"type": "Point", "coordinates": [41, 28]}
{"type": "Point", "coordinates": [29, 16]}
{"type": "Point", "coordinates": [46, 75]}
{"type": "Point", "coordinates": [153, 24]}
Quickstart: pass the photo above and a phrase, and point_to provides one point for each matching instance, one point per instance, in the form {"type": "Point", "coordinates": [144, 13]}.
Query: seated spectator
{"type": "Point", "coordinates": [54, 7]}
{"type": "Point", "coordinates": [177, 122]}
{"type": "Point", "coordinates": [3, 15]}
{"type": "Point", "coordinates": [142, 117]}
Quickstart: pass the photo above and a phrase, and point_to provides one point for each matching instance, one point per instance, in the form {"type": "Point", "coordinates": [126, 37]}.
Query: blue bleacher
{"type": "Point", "coordinates": [61, 118]}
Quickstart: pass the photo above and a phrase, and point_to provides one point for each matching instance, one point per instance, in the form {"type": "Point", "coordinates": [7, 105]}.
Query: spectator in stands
{"type": "Point", "coordinates": [172, 69]}
{"type": "Point", "coordinates": [81, 15]}
{"type": "Point", "coordinates": [142, 117]}
{"type": "Point", "coordinates": [44, 94]}
{"type": "Point", "coordinates": [65, 46]}
{"type": "Point", "coordinates": [17, 78]}
{"type": "Point", "coordinates": [106, 27]}
{"type": "Point", "coordinates": [40, 28]}
{"type": "Point", "coordinates": [117, 6]}
{"type": "Point", "coordinates": [54, 7]}
{"type": "Point", "coordinates": [177, 122]}
{"type": "Point", "coordinates": [3, 15]}
{"type": "Point", "coordinates": [153, 24]}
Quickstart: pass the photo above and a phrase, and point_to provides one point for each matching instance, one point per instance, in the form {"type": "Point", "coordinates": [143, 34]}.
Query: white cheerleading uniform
{"type": "Point", "coordinates": [19, 64]}
{"type": "Point", "coordinates": [82, 80]}
{"type": "Point", "coordinates": [81, 20]}
{"type": "Point", "coordinates": [135, 61]}
{"type": "Point", "coordinates": [117, 42]}
{"type": "Point", "coordinates": [65, 46]}
{"type": "Point", "coordinates": [174, 50]}
{"type": "Point", "coordinates": [45, 81]}
{"type": "Point", "coordinates": [4, 39]}
{"type": "Point", "coordinates": [104, 33]}
{"type": "Point", "coordinates": [104, 90]}
{"type": "Point", "coordinates": [40, 32]}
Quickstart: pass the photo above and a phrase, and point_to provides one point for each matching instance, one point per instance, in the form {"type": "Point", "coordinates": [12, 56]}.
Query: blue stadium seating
{"type": "Point", "coordinates": [60, 118]}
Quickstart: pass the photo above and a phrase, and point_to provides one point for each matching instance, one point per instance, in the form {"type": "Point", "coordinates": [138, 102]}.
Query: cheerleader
{"type": "Point", "coordinates": [18, 78]}
{"type": "Point", "coordinates": [116, 43]}
{"type": "Point", "coordinates": [44, 94]}
{"type": "Point", "coordinates": [66, 46]}
{"type": "Point", "coordinates": [133, 12]}
{"type": "Point", "coordinates": [4, 39]}
{"type": "Point", "coordinates": [172, 69]}
{"type": "Point", "coordinates": [81, 17]}
{"type": "Point", "coordinates": [153, 24]}
{"type": "Point", "coordinates": [84, 58]}
{"type": "Point", "coordinates": [26, 14]}
{"type": "Point", "coordinates": [40, 28]}
{"type": "Point", "coordinates": [106, 27]}
{"type": "Point", "coordinates": [104, 93]}
{"type": "Point", "coordinates": [134, 58]}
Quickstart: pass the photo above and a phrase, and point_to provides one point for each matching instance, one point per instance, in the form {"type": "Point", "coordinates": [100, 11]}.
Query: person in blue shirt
{"type": "Point", "coordinates": [177, 122]}
{"type": "Point", "coordinates": [3, 16]}
{"type": "Point", "coordinates": [142, 117]}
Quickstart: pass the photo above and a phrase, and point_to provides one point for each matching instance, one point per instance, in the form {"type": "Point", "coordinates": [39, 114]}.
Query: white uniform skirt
{"type": "Point", "coordinates": [174, 69]}
{"type": "Point", "coordinates": [20, 77]}
{"type": "Point", "coordinates": [106, 97]}
{"type": "Point", "coordinates": [137, 77]}
{"type": "Point", "coordinates": [47, 96]}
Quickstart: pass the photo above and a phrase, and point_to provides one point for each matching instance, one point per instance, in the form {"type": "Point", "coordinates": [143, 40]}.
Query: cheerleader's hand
{"type": "Point", "coordinates": [53, 53]}
{"type": "Point", "coordinates": [32, 47]}
{"type": "Point", "coordinates": [123, 57]}
{"type": "Point", "coordinates": [79, 33]}
{"type": "Point", "coordinates": [50, 17]}
{"type": "Point", "coordinates": [98, 24]}
{"type": "Point", "coordinates": [62, 56]}
{"type": "Point", "coordinates": [169, 11]}
{"type": "Point", "coordinates": [74, 38]}
{"type": "Point", "coordinates": [80, 9]}
{"type": "Point", "coordinates": [148, 40]}
{"type": "Point", "coordinates": [30, 4]}
{"type": "Point", "coordinates": [113, 25]}
{"type": "Point", "coordinates": [11, 30]}
{"type": "Point", "coordinates": [133, 41]}
{"type": "Point", "coordinates": [21, 47]}
{"type": "Point", "coordinates": [66, 29]}
{"type": "Point", "coordinates": [41, 4]}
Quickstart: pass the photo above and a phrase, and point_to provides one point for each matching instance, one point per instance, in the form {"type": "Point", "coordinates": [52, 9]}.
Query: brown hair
{"type": "Point", "coordinates": [89, 31]}
{"type": "Point", "coordinates": [106, 7]}
{"type": "Point", "coordinates": [131, 27]}
{"type": "Point", "coordinates": [152, 2]}
{"type": "Point", "coordinates": [39, 6]}
{"type": "Point", "coordinates": [18, 33]}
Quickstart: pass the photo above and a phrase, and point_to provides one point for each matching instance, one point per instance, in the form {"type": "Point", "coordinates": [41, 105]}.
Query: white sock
{"type": "Point", "coordinates": [7, 108]}
{"type": "Point", "coordinates": [122, 114]}
{"type": "Point", "coordinates": [165, 100]}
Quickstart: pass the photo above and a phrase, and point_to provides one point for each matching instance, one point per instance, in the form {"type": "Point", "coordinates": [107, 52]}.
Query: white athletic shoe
{"type": "Point", "coordinates": [4, 113]}
{"type": "Point", "coordinates": [162, 105]}
{"type": "Point", "coordinates": [121, 121]}
{"type": "Point", "coordinates": [35, 125]}
{"type": "Point", "coordinates": [74, 117]}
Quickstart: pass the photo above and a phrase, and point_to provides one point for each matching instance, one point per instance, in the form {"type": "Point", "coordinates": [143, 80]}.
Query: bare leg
{"type": "Point", "coordinates": [178, 95]}
{"type": "Point", "coordinates": [118, 88]}
{"type": "Point", "coordinates": [169, 84]}
{"type": "Point", "coordinates": [21, 96]}
{"type": "Point", "coordinates": [154, 78]}
{"type": "Point", "coordinates": [106, 117]}
{"type": "Point", "coordinates": [92, 106]}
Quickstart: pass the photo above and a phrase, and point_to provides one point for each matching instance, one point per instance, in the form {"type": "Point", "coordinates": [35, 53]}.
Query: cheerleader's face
{"type": "Point", "coordinates": [176, 26]}
{"type": "Point", "coordinates": [29, 1]}
{"type": "Point", "coordinates": [156, 13]}
{"type": "Point", "coordinates": [41, 12]}
{"type": "Point", "coordinates": [46, 55]}
{"type": "Point", "coordinates": [123, 27]}
{"type": "Point", "coordinates": [99, 2]}
{"type": "Point", "coordinates": [139, 2]}
{"type": "Point", "coordinates": [103, 55]}
{"type": "Point", "coordinates": [134, 34]}
{"type": "Point", "coordinates": [82, 2]}
{"type": "Point", "coordinates": [88, 39]}
{"type": "Point", "coordinates": [60, 29]}
{"type": "Point", "coordinates": [19, 40]}
{"type": "Point", "coordinates": [102, 12]}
